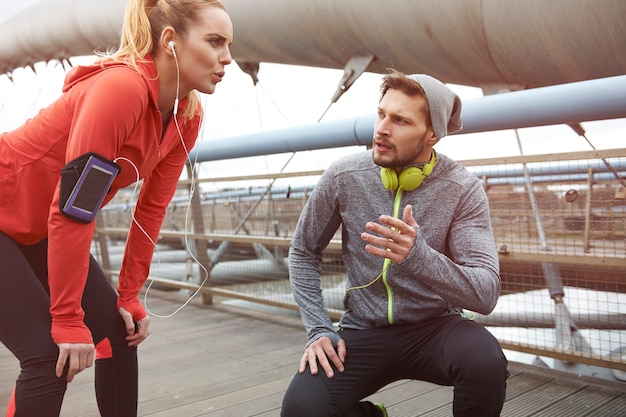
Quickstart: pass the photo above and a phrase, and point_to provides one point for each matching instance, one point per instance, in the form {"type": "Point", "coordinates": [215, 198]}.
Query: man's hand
{"type": "Point", "coordinates": [79, 355]}
{"type": "Point", "coordinates": [136, 333]}
{"type": "Point", "coordinates": [395, 237]}
{"type": "Point", "coordinates": [322, 351]}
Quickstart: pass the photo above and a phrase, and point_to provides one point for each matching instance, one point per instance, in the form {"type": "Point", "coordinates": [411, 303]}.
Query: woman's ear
{"type": "Point", "coordinates": [167, 40]}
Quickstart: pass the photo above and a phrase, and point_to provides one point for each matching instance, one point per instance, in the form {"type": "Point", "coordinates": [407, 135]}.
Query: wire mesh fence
{"type": "Point", "coordinates": [560, 228]}
{"type": "Point", "coordinates": [559, 223]}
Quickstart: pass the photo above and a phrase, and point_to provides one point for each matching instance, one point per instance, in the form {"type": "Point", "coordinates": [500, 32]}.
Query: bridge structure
{"type": "Point", "coordinates": [559, 222]}
{"type": "Point", "coordinates": [559, 219]}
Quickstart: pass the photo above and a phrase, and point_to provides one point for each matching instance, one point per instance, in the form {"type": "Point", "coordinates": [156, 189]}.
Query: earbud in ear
{"type": "Point", "coordinates": [171, 45]}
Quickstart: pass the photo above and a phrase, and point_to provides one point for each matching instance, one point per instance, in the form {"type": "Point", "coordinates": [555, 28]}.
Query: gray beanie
{"type": "Point", "coordinates": [445, 106]}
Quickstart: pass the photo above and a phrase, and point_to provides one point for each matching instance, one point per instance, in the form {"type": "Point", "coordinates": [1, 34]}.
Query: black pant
{"type": "Point", "coordinates": [449, 350]}
{"type": "Point", "coordinates": [25, 324]}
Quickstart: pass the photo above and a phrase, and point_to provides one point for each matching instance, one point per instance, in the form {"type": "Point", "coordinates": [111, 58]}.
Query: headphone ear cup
{"type": "Point", "coordinates": [428, 169]}
{"type": "Point", "coordinates": [411, 178]}
{"type": "Point", "coordinates": [389, 178]}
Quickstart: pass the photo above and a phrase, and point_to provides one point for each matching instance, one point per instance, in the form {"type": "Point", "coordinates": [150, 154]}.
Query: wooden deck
{"type": "Point", "coordinates": [224, 360]}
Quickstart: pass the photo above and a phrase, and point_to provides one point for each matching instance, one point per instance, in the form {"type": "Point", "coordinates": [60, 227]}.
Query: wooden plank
{"type": "Point", "coordinates": [616, 407]}
{"type": "Point", "coordinates": [246, 357]}
{"type": "Point", "coordinates": [228, 403]}
{"type": "Point", "coordinates": [585, 402]}
{"type": "Point", "coordinates": [540, 397]}
{"type": "Point", "coordinates": [222, 360]}
{"type": "Point", "coordinates": [427, 399]}
{"type": "Point", "coordinates": [524, 382]}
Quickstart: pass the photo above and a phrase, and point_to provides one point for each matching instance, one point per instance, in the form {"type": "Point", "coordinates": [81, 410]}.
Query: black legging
{"type": "Point", "coordinates": [25, 323]}
{"type": "Point", "coordinates": [449, 350]}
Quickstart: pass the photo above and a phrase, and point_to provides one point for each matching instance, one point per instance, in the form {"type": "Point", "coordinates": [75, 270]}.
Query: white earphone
{"type": "Point", "coordinates": [171, 45]}
{"type": "Point", "coordinates": [192, 190]}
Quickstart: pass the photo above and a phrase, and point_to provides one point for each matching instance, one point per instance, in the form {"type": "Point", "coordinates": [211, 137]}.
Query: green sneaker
{"type": "Point", "coordinates": [382, 409]}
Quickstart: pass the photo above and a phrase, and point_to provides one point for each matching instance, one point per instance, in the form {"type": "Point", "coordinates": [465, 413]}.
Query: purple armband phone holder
{"type": "Point", "coordinates": [85, 181]}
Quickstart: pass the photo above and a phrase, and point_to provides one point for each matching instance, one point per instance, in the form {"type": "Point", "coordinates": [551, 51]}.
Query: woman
{"type": "Point", "coordinates": [137, 109]}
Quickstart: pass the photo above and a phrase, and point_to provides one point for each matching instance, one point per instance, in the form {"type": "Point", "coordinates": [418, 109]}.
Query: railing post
{"type": "Point", "coordinates": [586, 235]}
{"type": "Point", "coordinates": [198, 228]}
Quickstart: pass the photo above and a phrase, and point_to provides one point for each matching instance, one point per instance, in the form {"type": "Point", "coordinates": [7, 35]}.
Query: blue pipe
{"type": "Point", "coordinates": [599, 99]}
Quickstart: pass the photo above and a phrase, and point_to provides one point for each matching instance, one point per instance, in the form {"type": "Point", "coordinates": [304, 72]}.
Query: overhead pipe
{"type": "Point", "coordinates": [604, 177]}
{"type": "Point", "coordinates": [491, 44]}
{"type": "Point", "coordinates": [551, 169]}
{"type": "Point", "coordinates": [582, 101]}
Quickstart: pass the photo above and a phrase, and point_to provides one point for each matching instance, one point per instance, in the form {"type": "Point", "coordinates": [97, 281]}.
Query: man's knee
{"type": "Point", "coordinates": [476, 353]}
{"type": "Point", "coordinates": [307, 396]}
{"type": "Point", "coordinates": [478, 370]}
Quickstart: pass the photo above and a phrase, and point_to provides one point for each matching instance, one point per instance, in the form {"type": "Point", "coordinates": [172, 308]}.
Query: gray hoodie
{"type": "Point", "coordinates": [452, 266]}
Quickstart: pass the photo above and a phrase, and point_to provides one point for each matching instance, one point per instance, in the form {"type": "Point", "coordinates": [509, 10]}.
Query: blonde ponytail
{"type": "Point", "coordinates": [136, 40]}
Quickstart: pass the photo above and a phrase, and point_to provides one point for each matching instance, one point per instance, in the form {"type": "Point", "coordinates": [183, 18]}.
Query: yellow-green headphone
{"type": "Point", "coordinates": [410, 178]}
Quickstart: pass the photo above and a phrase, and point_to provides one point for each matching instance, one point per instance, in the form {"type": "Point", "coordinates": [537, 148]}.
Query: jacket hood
{"type": "Point", "coordinates": [146, 68]}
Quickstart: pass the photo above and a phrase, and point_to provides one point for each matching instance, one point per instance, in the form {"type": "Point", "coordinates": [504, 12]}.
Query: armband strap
{"type": "Point", "coordinates": [85, 182]}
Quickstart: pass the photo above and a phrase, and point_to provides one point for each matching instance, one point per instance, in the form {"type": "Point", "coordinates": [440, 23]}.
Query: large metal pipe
{"type": "Point", "coordinates": [560, 169]}
{"type": "Point", "coordinates": [582, 101]}
{"type": "Point", "coordinates": [599, 99]}
{"type": "Point", "coordinates": [486, 43]}
{"type": "Point", "coordinates": [59, 29]}
{"type": "Point", "coordinates": [492, 44]}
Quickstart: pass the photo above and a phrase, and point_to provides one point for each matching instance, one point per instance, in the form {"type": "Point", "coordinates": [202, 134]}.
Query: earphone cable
{"type": "Point", "coordinates": [192, 189]}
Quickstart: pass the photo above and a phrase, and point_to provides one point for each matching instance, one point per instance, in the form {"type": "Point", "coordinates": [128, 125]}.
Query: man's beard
{"type": "Point", "coordinates": [400, 161]}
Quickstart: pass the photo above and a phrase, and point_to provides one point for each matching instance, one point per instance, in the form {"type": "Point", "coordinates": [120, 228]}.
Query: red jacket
{"type": "Point", "coordinates": [110, 109]}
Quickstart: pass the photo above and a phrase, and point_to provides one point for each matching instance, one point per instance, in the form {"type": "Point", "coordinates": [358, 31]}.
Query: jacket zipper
{"type": "Point", "coordinates": [389, 292]}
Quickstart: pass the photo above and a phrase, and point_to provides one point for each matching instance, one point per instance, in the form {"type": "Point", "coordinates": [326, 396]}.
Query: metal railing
{"type": "Point", "coordinates": [559, 223]}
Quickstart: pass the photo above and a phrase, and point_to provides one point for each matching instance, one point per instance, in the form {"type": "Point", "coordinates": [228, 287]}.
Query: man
{"type": "Point", "coordinates": [418, 249]}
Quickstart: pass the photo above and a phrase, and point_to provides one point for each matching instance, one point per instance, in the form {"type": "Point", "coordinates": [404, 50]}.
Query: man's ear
{"type": "Point", "coordinates": [431, 138]}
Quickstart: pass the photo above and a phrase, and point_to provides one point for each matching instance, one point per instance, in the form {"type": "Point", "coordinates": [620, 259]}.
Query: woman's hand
{"type": "Point", "coordinates": [137, 332]}
{"type": "Point", "coordinates": [79, 356]}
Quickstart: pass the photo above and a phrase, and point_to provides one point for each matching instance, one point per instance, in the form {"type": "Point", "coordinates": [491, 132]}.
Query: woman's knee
{"type": "Point", "coordinates": [38, 374]}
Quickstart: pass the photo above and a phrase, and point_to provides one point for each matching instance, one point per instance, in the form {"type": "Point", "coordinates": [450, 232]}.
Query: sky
{"type": "Point", "coordinates": [291, 96]}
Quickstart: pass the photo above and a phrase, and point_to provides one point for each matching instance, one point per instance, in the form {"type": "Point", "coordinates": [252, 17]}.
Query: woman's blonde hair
{"type": "Point", "coordinates": [144, 20]}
